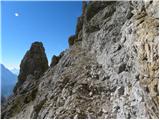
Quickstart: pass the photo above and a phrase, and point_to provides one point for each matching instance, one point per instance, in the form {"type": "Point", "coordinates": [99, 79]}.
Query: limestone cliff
{"type": "Point", "coordinates": [109, 71]}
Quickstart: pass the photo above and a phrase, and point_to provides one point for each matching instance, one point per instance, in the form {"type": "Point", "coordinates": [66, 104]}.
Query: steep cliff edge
{"type": "Point", "coordinates": [109, 71]}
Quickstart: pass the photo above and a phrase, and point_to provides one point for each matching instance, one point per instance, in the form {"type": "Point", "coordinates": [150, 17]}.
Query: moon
{"type": "Point", "coordinates": [16, 14]}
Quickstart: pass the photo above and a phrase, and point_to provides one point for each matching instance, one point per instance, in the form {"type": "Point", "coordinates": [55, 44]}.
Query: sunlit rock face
{"type": "Point", "coordinates": [109, 71]}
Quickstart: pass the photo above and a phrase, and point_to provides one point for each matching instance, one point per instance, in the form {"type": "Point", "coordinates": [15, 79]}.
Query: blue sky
{"type": "Point", "coordinates": [25, 22]}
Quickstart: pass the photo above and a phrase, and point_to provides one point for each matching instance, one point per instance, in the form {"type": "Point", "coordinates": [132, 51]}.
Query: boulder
{"type": "Point", "coordinates": [55, 60]}
{"type": "Point", "coordinates": [71, 40]}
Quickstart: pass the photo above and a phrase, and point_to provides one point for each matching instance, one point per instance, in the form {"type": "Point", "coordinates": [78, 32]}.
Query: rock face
{"type": "Point", "coordinates": [109, 71]}
{"type": "Point", "coordinates": [34, 63]}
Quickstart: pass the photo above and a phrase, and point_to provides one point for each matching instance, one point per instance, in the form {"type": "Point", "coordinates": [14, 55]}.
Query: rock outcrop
{"type": "Point", "coordinates": [109, 71]}
{"type": "Point", "coordinates": [34, 64]}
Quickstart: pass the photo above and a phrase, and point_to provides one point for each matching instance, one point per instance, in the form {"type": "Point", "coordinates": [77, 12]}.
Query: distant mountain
{"type": "Point", "coordinates": [8, 81]}
{"type": "Point", "coordinates": [15, 71]}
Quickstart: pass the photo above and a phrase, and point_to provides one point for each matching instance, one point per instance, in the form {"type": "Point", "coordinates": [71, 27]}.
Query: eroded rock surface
{"type": "Point", "coordinates": [109, 71]}
{"type": "Point", "coordinates": [33, 65]}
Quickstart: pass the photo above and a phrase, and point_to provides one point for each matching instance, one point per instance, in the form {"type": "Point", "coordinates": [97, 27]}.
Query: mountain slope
{"type": "Point", "coordinates": [109, 71]}
{"type": "Point", "coordinates": [15, 71]}
{"type": "Point", "coordinates": [8, 81]}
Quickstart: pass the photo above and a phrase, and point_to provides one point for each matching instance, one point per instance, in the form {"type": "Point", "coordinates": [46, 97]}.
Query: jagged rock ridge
{"type": "Point", "coordinates": [109, 71]}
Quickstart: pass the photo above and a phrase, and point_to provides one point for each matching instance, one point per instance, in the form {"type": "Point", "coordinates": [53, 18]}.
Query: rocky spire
{"type": "Point", "coordinates": [34, 63]}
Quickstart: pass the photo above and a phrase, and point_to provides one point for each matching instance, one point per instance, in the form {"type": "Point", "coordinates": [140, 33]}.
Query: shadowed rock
{"type": "Point", "coordinates": [55, 60]}
{"type": "Point", "coordinates": [34, 63]}
{"type": "Point", "coordinates": [94, 7]}
{"type": "Point", "coordinates": [71, 40]}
